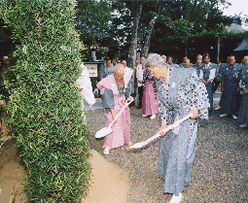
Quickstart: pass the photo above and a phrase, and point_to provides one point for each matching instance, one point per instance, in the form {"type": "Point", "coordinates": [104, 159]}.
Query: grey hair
{"type": "Point", "coordinates": [154, 60]}
{"type": "Point", "coordinates": [199, 55]}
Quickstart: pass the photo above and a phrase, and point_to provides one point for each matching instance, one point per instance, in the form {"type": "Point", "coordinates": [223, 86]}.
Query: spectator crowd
{"type": "Point", "coordinates": [230, 78]}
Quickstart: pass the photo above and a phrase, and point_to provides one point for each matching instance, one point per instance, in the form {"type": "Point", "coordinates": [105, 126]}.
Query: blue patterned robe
{"type": "Point", "coordinates": [197, 68]}
{"type": "Point", "coordinates": [183, 91]}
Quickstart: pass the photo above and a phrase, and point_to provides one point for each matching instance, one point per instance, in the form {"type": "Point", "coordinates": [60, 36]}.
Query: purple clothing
{"type": "Point", "coordinates": [149, 101]}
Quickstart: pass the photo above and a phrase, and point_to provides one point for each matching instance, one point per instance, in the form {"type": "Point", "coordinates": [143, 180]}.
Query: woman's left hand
{"type": "Point", "coordinates": [163, 126]}
{"type": "Point", "coordinates": [194, 114]}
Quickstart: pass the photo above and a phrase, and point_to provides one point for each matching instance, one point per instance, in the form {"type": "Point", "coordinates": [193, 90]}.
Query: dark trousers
{"type": "Point", "coordinates": [239, 100]}
{"type": "Point", "coordinates": [216, 84]}
{"type": "Point", "coordinates": [140, 92]}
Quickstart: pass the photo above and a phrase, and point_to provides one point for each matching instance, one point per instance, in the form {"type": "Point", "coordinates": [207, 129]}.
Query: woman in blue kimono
{"type": "Point", "coordinates": [243, 111]}
{"type": "Point", "coordinates": [181, 92]}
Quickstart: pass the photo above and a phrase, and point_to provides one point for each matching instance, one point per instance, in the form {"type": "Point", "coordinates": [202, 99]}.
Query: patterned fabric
{"type": "Point", "coordinates": [228, 73]}
{"type": "Point", "coordinates": [197, 68]}
{"type": "Point", "coordinates": [244, 78]}
{"type": "Point", "coordinates": [147, 76]}
{"type": "Point", "coordinates": [175, 65]}
{"type": "Point", "coordinates": [192, 92]}
{"type": "Point", "coordinates": [182, 92]}
{"type": "Point", "coordinates": [105, 71]}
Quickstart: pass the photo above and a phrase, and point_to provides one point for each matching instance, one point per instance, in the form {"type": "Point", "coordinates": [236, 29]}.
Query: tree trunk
{"type": "Point", "coordinates": [136, 12]}
{"type": "Point", "coordinates": [146, 46]}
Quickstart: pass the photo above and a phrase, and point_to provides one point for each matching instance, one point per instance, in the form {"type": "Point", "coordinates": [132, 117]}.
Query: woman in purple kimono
{"type": "Point", "coordinates": [149, 101]}
{"type": "Point", "coordinates": [181, 92]}
{"type": "Point", "coordinates": [116, 90]}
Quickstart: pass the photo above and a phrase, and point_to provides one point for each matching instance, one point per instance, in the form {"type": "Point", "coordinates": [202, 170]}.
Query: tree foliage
{"type": "Point", "coordinates": [94, 20]}
{"type": "Point", "coordinates": [44, 108]}
{"type": "Point", "coordinates": [176, 21]}
{"type": "Point", "coordinates": [180, 20]}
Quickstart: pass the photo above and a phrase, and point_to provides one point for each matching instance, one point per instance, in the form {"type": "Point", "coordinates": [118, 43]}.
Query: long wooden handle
{"type": "Point", "coordinates": [177, 123]}
{"type": "Point", "coordinates": [119, 113]}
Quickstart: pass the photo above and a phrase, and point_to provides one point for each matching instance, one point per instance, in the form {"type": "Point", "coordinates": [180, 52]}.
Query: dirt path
{"type": "Point", "coordinates": [109, 183]}
{"type": "Point", "coordinates": [12, 175]}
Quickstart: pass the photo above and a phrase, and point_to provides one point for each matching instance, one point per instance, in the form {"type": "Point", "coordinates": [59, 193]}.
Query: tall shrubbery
{"type": "Point", "coordinates": [44, 108]}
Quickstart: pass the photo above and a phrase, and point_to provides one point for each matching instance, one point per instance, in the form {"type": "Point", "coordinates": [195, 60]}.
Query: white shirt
{"type": "Point", "coordinates": [84, 83]}
{"type": "Point", "coordinates": [211, 74]}
{"type": "Point", "coordinates": [139, 74]}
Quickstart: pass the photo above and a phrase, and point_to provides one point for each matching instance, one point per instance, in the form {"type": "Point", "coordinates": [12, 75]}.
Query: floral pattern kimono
{"type": "Point", "coordinates": [183, 91]}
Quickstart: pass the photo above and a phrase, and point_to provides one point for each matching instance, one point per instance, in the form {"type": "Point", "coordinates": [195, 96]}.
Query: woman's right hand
{"type": "Point", "coordinates": [112, 113]}
{"type": "Point", "coordinates": [163, 126]}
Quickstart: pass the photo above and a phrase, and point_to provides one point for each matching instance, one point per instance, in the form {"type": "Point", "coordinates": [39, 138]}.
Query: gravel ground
{"type": "Point", "coordinates": [220, 171]}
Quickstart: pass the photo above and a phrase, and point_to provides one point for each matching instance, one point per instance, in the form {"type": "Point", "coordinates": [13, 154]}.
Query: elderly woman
{"type": "Point", "coordinates": [116, 89]}
{"type": "Point", "coordinates": [181, 92]}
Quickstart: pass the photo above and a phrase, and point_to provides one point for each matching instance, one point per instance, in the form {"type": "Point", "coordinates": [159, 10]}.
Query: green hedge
{"type": "Point", "coordinates": [44, 107]}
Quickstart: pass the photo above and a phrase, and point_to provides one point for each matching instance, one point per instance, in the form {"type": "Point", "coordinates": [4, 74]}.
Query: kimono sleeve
{"type": "Point", "coordinates": [163, 106]}
{"type": "Point", "coordinates": [239, 73]}
{"type": "Point", "coordinates": [198, 96]}
{"type": "Point", "coordinates": [108, 99]}
{"type": "Point", "coordinates": [221, 73]}
{"type": "Point", "coordinates": [242, 80]}
{"type": "Point", "coordinates": [201, 74]}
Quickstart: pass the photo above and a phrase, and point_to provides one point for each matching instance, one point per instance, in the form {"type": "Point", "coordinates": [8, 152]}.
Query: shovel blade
{"type": "Point", "coordinates": [103, 132]}
{"type": "Point", "coordinates": [137, 145]}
